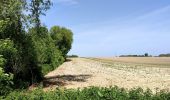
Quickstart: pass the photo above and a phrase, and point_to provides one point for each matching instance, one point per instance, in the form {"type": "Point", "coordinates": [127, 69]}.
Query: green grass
{"type": "Point", "coordinates": [92, 93]}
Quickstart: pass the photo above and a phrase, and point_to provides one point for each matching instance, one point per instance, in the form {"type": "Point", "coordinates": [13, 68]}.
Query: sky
{"type": "Point", "coordinates": [105, 28]}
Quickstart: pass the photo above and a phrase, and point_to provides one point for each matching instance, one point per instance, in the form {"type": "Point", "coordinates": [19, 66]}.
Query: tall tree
{"type": "Point", "coordinates": [38, 8]}
{"type": "Point", "coordinates": [63, 38]}
{"type": "Point", "coordinates": [11, 16]}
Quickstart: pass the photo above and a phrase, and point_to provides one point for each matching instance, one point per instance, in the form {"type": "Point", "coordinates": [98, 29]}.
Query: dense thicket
{"type": "Point", "coordinates": [27, 47]}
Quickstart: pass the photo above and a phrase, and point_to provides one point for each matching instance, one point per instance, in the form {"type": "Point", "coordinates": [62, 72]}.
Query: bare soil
{"type": "Point", "coordinates": [82, 72]}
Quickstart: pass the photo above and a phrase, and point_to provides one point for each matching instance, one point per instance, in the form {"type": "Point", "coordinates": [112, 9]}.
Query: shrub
{"type": "Point", "coordinates": [6, 80]}
{"type": "Point", "coordinates": [10, 53]}
{"type": "Point", "coordinates": [20, 61]}
{"type": "Point", "coordinates": [92, 93]}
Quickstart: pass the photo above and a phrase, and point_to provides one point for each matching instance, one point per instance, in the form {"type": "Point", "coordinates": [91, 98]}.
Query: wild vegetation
{"type": "Point", "coordinates": [28, 50]}
{"type": "Point", "coordinates": [92, 93]}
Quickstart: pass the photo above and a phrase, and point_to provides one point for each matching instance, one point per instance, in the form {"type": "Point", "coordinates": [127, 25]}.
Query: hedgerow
{"type": "Point", "coordinates": [92, 93]}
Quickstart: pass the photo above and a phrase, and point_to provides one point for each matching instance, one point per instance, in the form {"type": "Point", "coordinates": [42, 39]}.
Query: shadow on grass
{"type": "Point", "coordinates": [62, 80]}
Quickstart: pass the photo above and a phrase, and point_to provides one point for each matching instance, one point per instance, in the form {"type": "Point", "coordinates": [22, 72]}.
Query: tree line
{"type": "Point", "coordinates": [145, 55]}
{"type": "Point", "coordinates": [28, 50]}
{"type": "Point", "coordinates": [164, 55]}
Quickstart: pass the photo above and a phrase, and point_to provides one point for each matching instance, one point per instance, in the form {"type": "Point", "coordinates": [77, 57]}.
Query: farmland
{"type": "Point", "coordinates": [154, 61]}
{"type": "Point", "coordinates": [153, 73]}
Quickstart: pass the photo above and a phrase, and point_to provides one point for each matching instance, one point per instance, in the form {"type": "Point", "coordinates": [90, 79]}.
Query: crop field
{"type": "Point", "coordinates": [147, 61]}
{"type": "Point", "coordinates": [152, 73]}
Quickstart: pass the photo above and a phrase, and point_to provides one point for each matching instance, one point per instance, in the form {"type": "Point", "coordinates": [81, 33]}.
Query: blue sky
{"type": "Point", "coordinates": [114, 27]}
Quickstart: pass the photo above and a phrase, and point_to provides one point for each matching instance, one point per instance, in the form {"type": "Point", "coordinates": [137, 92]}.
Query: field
{"type": "Point", "coordinates": [157, 61]}
{"type": "Point", "coordinates": [153, 73]}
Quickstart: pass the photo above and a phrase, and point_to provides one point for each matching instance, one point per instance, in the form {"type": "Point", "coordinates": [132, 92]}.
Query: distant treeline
{"type": "Point", "coordinates": [145, 55]}
{"type": "Point", "coordinates": [164, 55]}
{"type": "Point", "coordinates": [72, 56]}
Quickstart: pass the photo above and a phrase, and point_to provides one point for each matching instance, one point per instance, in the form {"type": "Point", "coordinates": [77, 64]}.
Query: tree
{"type": "Point", "coordinates": [47, 54]}
{"type": "Point", "coordinates": [38, 8]}
{"type": "Point", "coordinates": [11, 17]}
{"type": "Point", "coordinates": [164, 55]}
{"type": "Point", "coordinates": [146, 54]}
{"type": "Point", "coordinates": [27, 52]}
{"type": "Point", "coordinates": [22, 61]}
{"type": "Point", "coordinates": [63, 38]}
{"type": "Point", "coordinates": [11, 27]}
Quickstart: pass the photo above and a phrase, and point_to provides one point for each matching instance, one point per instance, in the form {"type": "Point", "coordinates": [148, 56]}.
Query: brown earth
{"type": "Point", "coordinates": [82, 72]}
{"type": "Point", "coordinates": [141, 60]}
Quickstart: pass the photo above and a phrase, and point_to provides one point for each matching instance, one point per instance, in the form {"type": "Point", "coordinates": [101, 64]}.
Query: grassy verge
{"type": "Point", "coordinates": [92, 93]}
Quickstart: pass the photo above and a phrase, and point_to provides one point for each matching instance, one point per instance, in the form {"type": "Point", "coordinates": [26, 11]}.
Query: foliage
{"type": "Point", "coordinates": [6, 80]}
{"type": "Point", "coordinates": [48, 56]}
{"type": "Point", "coordinates": [29, 53]}
{"type": "Point", "coordinates": [92, 93]}
{"type": "Point", "coordinates": [11, 19]}
{"type": "Point", "coordinates": [37, 8]}
{"type": "Point", "coordinates": [10, 53]}
{"type": "Point", "coordinates": [63, 38]}
{"type": "Point", "coordinates": [72, 56]}
{"type": "Point", "coordinates": [16, 61]}
{"type": "Point", "coordinates": [164, 55]}
{"type": "Point", "coordinates": [146, 54]}
{"type": "Point", "coordinates": [3, 25]}
{"type": "Point", "coordinates": [26, 54]}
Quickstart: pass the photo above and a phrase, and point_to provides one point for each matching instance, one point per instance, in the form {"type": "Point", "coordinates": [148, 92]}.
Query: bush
{"type": "Point", "coordinates": [20, 61]}
{"type": "Point", "coordinates": [6, 80]}
{"type": "Point", "coordinates": [92, 93]}
{"type": "Point", "coordinates": [10, 53]}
